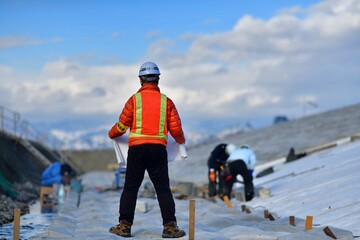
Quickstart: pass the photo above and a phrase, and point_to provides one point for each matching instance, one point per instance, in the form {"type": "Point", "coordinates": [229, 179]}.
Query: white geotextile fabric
{"type": "Point", "coordinates": [175, 151]}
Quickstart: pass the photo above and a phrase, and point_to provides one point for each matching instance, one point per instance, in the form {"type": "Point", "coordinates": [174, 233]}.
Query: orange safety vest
{"type": "Point", "coordinates": [149, 116]}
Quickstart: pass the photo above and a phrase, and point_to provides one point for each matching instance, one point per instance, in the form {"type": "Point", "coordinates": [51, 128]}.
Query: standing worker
{"type": "Point", "coordinates": [150, 115]}
{"type": "Point", "coordinates": [216, 164]}
{"type": "Point", "coordinates": [241, 161]}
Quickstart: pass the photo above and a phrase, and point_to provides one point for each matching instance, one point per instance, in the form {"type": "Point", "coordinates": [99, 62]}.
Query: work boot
{"type": "Point", "coordinates": [249, 196]}
{"type": "Point", "coordinates": [171, 230]}
{"type": "Point", "coordinates": [122, 229]}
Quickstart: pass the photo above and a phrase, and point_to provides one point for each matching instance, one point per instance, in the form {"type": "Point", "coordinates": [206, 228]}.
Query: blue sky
{"type": "Point", "coordinates": [222, 62]}
{"type": "Point", "coordinates": [116, 30]}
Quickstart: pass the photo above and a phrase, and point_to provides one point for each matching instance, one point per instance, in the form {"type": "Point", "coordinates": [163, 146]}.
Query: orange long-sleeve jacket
{"type": "Point", "coordinates": [150, 115]}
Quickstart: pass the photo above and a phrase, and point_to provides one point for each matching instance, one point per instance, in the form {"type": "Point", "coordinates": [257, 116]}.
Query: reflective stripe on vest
{"type": "Point", "coordinates": [158, 121]}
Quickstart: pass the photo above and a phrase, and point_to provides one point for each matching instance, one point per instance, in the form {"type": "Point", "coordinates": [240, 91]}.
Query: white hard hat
{"type": "Point", "coordinates": [149, 68]}
{"type": "Point", "coordinates": [230, 148]}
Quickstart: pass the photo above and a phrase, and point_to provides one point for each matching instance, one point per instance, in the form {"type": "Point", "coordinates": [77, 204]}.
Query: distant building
{"type": "Point", "coordinates": [280, 118]}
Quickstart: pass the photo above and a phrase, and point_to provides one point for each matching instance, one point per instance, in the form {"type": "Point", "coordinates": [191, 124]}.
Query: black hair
{"type": "Point", "coordinates": [150, 78]}
{"type": "Point", "coordinates": [65, 168]}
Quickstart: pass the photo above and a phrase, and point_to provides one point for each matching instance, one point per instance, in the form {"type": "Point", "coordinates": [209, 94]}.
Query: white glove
{"type": "Point", "coordinates": [182, 151]}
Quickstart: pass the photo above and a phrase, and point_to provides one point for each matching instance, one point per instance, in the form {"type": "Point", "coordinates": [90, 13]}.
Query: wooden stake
{"type": "Point", "coordinates": [271, 217]}
{"type": "Point", "coordinates": [329, 233]}
{"type": "Point", "coordinates": [227, 201]}
{"type": "Point", "coordinates": [192, 219]}
{"type": "Point", "coordinates": [292, 220]}
{"type": "Point", "coordinates": [266, 213]}
{"type": "Point", "coordinates": [16, 224]}
{"type": "Point", "coordinates": [243, 207]}
{"type": "Point", "coordinates": [308, 223]}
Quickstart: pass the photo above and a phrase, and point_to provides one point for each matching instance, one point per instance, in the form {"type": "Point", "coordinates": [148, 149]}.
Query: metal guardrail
{"type": "Point", "coordinates": [11, 123]}
{"type": "Point", "coordinates": [9, 120]}
{"type": "Point", "coordinates": [30, 132]}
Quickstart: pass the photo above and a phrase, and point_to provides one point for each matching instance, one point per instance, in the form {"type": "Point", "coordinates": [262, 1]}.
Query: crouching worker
{"type": "Point", "coordinates": [216, 163]}
{"type": "Point", "coordinates": [242, 162]}
{"type": "Point", "coordinates": [55, 181]}
{"type": "Point", "coordinates": [149, 115]}
{"type": "Point", "coordinates": [57, 173]}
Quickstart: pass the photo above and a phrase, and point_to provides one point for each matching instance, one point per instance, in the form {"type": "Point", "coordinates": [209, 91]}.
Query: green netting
{"type": "Point", "coordinates": [7, 187]}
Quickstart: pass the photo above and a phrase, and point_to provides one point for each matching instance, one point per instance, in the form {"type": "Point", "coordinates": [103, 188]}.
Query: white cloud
{"type": "Point", "coordinates": [22, 41]}
{"type": "Point", "coordinates": [10, 42]}
{"type": "Point", "coordinates": [68, 89]}
{"type": "Point", "coordinates": [281, 58]}
{"type": "Point", "coordinates": [5, 69]}
{"type": "Point", "coordinates": [57, 40]}
{"type": "Point", "coordinates": [259, 68]}
{"type": "Point", "coordinates": [160, 47]}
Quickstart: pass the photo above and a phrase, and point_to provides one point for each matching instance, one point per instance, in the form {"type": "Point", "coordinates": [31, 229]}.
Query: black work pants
{"type": "Point", "coordinates": [239, 167]}
{"type": "Point", "coordinates": [153, 158]}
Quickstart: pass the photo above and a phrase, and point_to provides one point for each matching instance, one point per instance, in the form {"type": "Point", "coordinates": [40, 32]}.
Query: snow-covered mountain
{"type": "Point", "coordinates": [95, 136]}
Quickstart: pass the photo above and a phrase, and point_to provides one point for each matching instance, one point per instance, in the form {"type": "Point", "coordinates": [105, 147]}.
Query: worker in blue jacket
{"type": "Point", "coordinates": [56, 173]}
